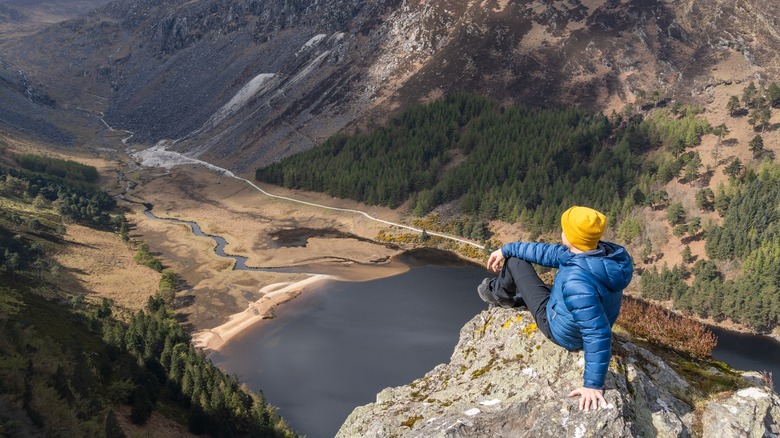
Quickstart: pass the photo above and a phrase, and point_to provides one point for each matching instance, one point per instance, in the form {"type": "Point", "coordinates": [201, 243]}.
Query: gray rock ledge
{"type": "Point", "coordinates": [505, 379]}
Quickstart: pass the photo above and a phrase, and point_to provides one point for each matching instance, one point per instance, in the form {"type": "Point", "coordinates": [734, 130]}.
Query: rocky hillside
{"type": "Point", "coordinates": [23, 17]}
{"type": "Point", "coordinates": [505, 379]}
{"type": "Point", "coordinates": [245, 82]}
{"type": "Point", "coordinates": [27, 109]}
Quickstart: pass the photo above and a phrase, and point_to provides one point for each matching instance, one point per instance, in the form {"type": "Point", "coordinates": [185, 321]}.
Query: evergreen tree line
{"type": "Point", "coordinates": [17, 253]}
{"type": "Point", "coordinates": [385, 166]}
{"type": "Point", "coordinates": [66, 169]}
{"type": "Point", "coordinates": [751, 216]}
{"type": "Point", "coordinates": [749, 299]}
{"type": "Point", "coordinates": [748, 236]}
{"type": "Point", "coordinates": [81, 204]}
{"type": "Point", "coordinates": [217, 403]}
{"type": "Point", "coordinates": [513, 164]}
{"type": "Point", "coordinates": [51, 366]}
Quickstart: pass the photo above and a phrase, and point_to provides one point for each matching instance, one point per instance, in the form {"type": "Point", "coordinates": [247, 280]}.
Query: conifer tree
{"type": "Point", "coordinates": [647, 251]}
{"type": "Point", "coordinates": [692, 168]}
{"type": "Point", "coordinates": [749, 94]}
{"type": "Point", "coordinates": [720, 131]}
{"type": "Point", "coordinates": [733, 105]}
{"type": "Point", "coordinates": [675, 213]}
{"type": "Point", "coordinates": [773, 94]}
{"type": "Point", "coordinates": [705, 199]}
{"type": "Point", "coordinates": [142, 406]}
{"type": "Point", "coordinates": [760, 117]}
{"type": "Point", "coordinates": [722, 200]}
{"type": "Point", "coordinates": [687, 256]}
{"type": "Point", "coordinates": [756, 145]}
{"type": "Point", "coordinates": [734, 169]}
{"type": "Point", "coordinates": [111, 426]}
{"type": "Point", "coordinates": [694, 226]}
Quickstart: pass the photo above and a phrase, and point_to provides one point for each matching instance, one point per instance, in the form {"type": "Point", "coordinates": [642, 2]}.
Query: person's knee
{"type": "Point", "coordinates": [518, 267]}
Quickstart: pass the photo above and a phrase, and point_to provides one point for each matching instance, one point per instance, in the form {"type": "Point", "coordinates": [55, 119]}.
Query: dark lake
{"type": "Point", "coordinates": [748, 352]}
{"type": "Point", "coordinates": [335, 348]}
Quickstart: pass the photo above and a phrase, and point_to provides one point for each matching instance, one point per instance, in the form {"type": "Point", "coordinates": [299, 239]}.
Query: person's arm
{"type": "Point", "coordinates": [582, 300]}
{"type": "Point", "coordinates": [544, 254]}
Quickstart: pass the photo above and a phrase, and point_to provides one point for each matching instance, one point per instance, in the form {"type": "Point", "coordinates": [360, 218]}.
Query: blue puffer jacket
{"type": "Point", "coordinates": [585, 299]}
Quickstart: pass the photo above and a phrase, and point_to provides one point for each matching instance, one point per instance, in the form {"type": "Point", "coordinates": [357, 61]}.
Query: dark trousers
{"type": "Point", "coordinates": [519, 282]}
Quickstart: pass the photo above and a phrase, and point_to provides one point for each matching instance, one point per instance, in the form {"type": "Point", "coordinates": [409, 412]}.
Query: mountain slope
{"type": "Point", "coordinates": [22, 17]}
{"type": "Point", "coordinates": [246, 82]}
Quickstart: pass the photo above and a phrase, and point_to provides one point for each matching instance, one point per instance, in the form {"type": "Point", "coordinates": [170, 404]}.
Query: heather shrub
{"type": "Point", "coordinates": [663, 327]}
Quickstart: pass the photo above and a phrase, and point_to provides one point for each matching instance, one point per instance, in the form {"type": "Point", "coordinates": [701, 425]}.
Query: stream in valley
{"type": "Point", "coordinates": [221, 243]}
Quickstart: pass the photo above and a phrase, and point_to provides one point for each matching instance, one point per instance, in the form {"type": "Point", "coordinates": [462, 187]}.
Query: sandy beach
{"type": "Point", "coordinates": [275, 294]}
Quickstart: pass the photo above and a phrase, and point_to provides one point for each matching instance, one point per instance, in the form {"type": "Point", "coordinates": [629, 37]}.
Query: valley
{"type": "Point", "coordinates": [229, 208]}
{"type": "Point", "coordinates": [195, 191]}
{"type": "Point", "coordinates": [216, 302]}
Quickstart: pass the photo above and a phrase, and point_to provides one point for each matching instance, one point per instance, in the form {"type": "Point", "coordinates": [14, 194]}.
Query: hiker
{"type": "Point", "coordinates": [579, 311]}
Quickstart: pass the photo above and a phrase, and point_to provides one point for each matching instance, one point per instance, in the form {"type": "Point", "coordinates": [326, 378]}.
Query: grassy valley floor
{"type": "Point", "coordinates": [247, 220]}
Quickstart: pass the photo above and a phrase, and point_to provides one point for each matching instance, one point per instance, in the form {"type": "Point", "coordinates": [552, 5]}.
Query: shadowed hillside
{"type": "Point", "coordinates": [23, 17]}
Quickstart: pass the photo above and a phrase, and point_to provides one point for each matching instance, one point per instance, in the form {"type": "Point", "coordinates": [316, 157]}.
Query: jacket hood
{"type": "Point", "coordinates": [609, 263]}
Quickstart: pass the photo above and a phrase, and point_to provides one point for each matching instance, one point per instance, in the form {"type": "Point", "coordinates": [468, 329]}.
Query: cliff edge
{"type": "Point", "coordinates": [505, 379]}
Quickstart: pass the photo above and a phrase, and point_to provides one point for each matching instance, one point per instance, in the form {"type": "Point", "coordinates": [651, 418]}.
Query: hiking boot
{"type": "Point", "coordinates": [486, 294]}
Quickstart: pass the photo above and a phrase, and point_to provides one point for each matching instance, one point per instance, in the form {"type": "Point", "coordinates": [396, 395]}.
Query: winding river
{"type": "Point", "coordinates": [221, 243]}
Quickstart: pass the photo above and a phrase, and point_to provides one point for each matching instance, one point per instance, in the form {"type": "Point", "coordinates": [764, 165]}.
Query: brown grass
{"type": "Point", "coordinates": [660, 326]}
{"type": "Point", "coordinates": [766, 376]}
{"type": "Point", "coordinates": [99, 264]}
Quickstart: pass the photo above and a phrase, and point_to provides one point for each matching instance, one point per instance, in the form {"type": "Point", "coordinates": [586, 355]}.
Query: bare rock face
{"type": "Point", "coordinates": [505, 379]}
{"type": "Point", "coordinates": [749, 412]}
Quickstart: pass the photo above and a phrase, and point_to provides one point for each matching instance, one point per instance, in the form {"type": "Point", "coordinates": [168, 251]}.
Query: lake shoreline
{"type": "Point", "coordinates": [214, 339]}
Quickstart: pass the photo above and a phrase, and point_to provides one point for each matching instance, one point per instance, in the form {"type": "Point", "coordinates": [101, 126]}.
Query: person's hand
{"type": "Point", "coordinates": [495, 260]}
{"type": "Point", "coordinates": [589, 397]}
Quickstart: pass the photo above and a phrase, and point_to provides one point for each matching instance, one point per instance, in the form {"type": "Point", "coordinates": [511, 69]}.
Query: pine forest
{"type": "Point", "coordinates": [525, 166]}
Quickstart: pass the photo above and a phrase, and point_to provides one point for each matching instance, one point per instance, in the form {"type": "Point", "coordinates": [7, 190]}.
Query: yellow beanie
{"type": "Point", "coordinates": [583, 227]}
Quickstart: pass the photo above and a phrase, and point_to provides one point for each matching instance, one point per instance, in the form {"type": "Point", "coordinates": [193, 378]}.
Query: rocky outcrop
{"type": "Point", "coordinates": [505, 379]}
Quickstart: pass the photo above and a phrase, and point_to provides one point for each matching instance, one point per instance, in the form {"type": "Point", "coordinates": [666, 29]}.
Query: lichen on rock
{"type": "Point", "coordinates": [505, 379]}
